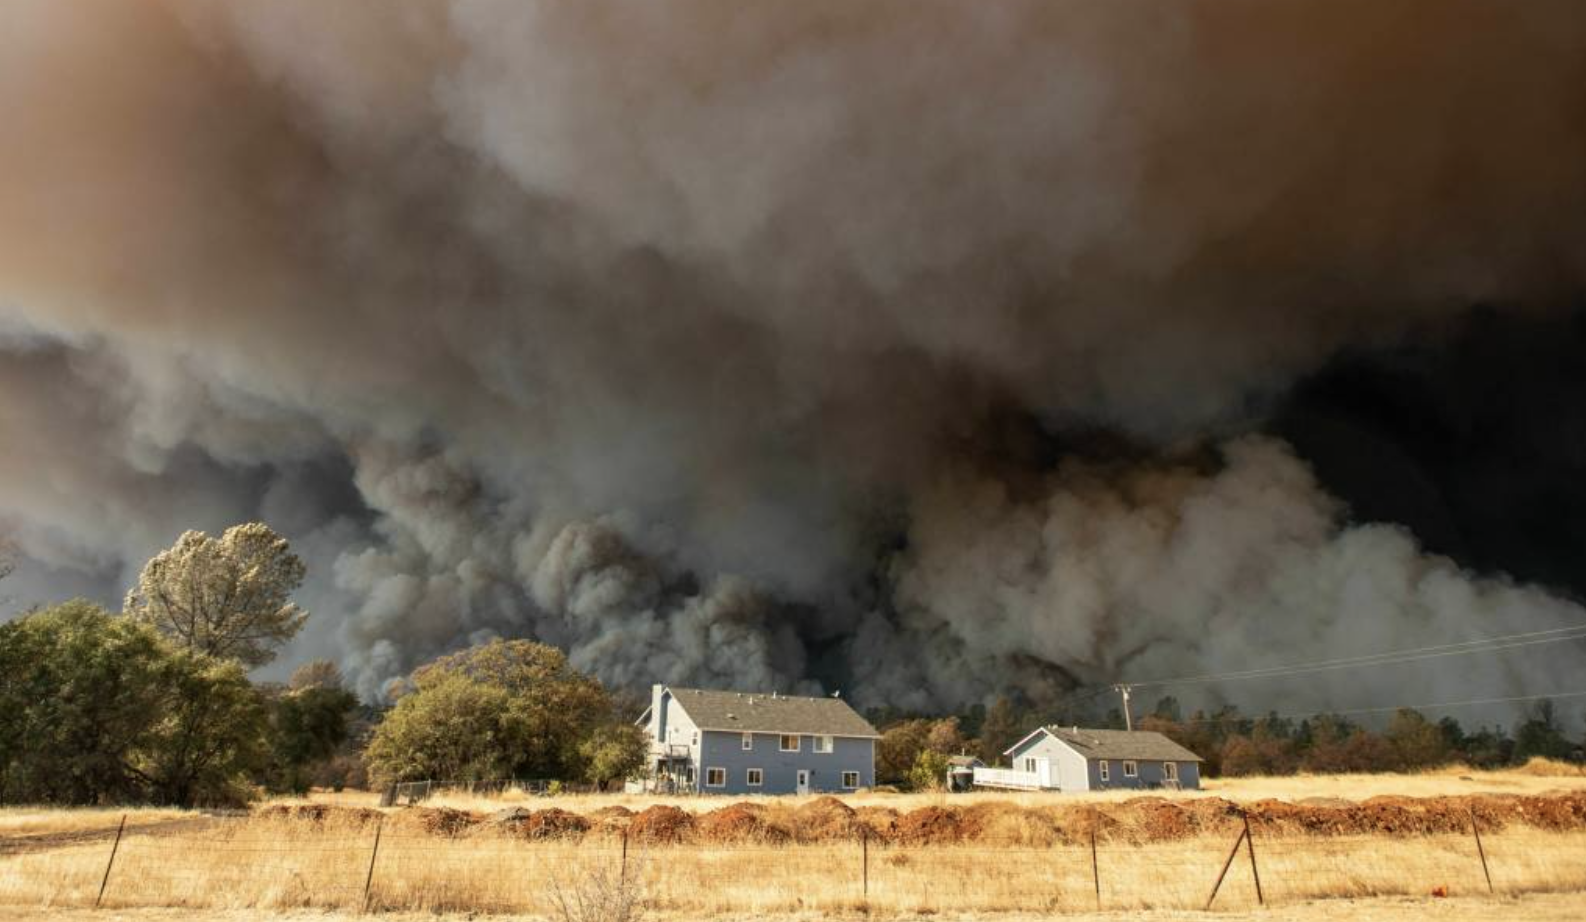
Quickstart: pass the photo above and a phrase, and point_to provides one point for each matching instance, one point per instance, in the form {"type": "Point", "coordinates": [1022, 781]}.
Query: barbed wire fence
{"type": "Point", "coordinates": [231, 861]}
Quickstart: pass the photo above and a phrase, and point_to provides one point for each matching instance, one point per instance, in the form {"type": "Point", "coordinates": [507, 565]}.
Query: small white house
{"type": "Point", "coordinates": [1080, 759]}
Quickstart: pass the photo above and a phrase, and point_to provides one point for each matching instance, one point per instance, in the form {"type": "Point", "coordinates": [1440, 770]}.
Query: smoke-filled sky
{"type": "Point", "coordinates": [926, 350]}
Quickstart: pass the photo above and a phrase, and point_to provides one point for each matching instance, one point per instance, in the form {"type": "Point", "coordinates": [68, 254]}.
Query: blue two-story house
{"type": "Point", "coordinates": [722, 742]}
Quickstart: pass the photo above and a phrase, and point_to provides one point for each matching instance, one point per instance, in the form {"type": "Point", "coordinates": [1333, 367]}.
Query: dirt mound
{"type": "Point", "coordinates": [738, 823]}
{"type": "Point", "coordinates": [661, 825]}
{"type": "Point", "coordinates": [326, 814]}
{"type": "Point", "coordinates": [1000, 823]}
{"type": "Point", "coordinates": [930, 826]}
{"type": "Point", "coordinates": [434, 821]}
{"type": "Point", "coordinates": [610, 821]}
{"type": "Point", "coordinates": [553, 824]}
{"type": "Point", "coordinates": [1154, 819]}
{"type": "Point", "coordinates": [880, 822]}
{"type": "Point", "coordinates": [1555, 814]}
{"type": "Point", "coordinates": [1075, 826]}
{"type": "Point", "coordinates": [827, 819]}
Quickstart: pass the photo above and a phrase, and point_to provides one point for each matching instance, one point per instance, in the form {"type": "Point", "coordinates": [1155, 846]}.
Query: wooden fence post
{"type": "Point", "coordinates": [1095, 869]}
{"type": "Point", "coordinates": [368, 880]}
{"type": "Point", "coordinates": [622, 875]}
{"type": "Point", "coordinates": [1250, 846]}
{"type": "Point", "coordinates": [1232, 854]}
{"type": "Point", "coordinates": [104, 881]}
{"type": "Point", "coordinates": [1476, 831]}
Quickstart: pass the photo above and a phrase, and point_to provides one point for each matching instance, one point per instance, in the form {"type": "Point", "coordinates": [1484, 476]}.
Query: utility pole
{"type": "Point", "coordinates": [1128, 719]}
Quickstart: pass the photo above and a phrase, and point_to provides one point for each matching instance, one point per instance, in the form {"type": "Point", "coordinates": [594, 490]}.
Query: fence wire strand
{"type": "Point", "coordinates": [237, 862]}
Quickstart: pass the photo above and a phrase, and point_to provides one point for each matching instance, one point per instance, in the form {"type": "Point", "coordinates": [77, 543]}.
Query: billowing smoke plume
{"type": "Point", "coordinates": [768, 345]}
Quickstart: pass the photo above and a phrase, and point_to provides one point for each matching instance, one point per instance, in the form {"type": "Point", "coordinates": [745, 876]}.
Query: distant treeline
{"type": "Point", "coordinates": [1233, 743]}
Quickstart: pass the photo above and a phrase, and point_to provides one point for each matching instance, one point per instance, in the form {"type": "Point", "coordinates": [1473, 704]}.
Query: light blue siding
{"type": "Point", "coordinates": [780, 769]}
{"type": "Point", "coordinates": [1150, 775]}
{"type": "Point", "coordinates": [1074, 772]}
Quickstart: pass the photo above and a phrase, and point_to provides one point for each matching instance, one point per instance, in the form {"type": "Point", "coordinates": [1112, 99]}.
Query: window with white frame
{"type": "Point", "coordinates": [1131, 770]}
{"type": "Point", "coordinates": [850, 780]}
{"type": "Point", "coordinates": [1106, 770]}
{"type": "Point", "coordinates": [696, 737]}
{"type": "Point", "coordinates": [715, 777]}
{"type": "Point", "coordinates": [823, 744]}
{"type": "Point", "coordinates": [790, 742]}
{"type": "Point", "coordinates": [754, 777]}
{"type": "Point", "coordinates": [1170, 771]}
{"type": "Point", "coordinates": [748, 741]}
{"type": "Point", "coordinates": [1029, 764]}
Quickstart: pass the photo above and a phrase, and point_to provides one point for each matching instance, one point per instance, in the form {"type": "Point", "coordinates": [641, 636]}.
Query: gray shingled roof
{"type": "Point", "coordinates": [1136, 745]}
{"type": "Point", "coordinates": [746, 711]}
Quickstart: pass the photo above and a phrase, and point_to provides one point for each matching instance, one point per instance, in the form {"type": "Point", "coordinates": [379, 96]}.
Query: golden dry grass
{"type": "Point", "coordinates": [282, 863]}
{"type": "Point", "coordinates": [1540, 776]}
{"type": "Point", "coordinates": [1525, 908]}
{"type": "Point", "coordinates": [19, 822]}
{"type": "Point", "coordinates": [54, 859]}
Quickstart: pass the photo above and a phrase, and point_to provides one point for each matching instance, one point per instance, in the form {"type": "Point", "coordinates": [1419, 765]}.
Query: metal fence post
{"type": "Point", "coordinates": [1250, 846]}
{"type": "Point", "coordinates": [864, 862]}
{"type": "Point", "coordinates": [1476, 831]}
{"type": "Point", "coordinates": [368, 880]}
{"type": "Point", "coordinates": [105, 881]}
{"type": "Point", "coordinates": [1095, 868]}
{"type": "Point", "coordinates": [1232, 854]}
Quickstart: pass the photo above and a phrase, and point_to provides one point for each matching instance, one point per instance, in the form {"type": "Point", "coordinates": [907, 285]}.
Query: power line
{"type": "Point", "coordinates": [1442, 705]}
{"type": "Point", "coordinates": [1391, 658]}
{"type": "Point", "coordinates": [1387, 658]}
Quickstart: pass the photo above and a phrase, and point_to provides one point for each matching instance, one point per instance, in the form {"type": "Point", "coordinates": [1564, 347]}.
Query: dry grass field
{"type": "Point", "coordinates": [1538, 778]}
{"type": "Point", "coordinates": [879, 855]}
{"type": "Point", "coordinates": [1525, 908]}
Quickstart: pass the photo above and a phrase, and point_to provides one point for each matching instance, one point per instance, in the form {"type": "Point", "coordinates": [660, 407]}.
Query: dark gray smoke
{"type": "Point", "coordinates": [907, 346]}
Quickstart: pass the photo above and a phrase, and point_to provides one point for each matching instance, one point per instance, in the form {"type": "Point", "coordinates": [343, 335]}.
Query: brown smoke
{"type": "Point", "coordinates": [648, 327]}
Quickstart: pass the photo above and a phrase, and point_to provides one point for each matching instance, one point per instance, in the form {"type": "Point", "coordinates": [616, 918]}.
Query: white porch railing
{"type": "Point", "coordinates": [1007, 778]}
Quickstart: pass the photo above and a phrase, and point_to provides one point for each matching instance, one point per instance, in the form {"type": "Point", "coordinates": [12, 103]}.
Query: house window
{"type": "Point", "coordinates": [1170, 771]}
{"type": "Point", "coordinates": [755, 777]}
{"type": "Point", "coordinates": [715, 777]}
{"type": "Point", "coordinates": [823, 744]}
{"type": "Point", "coordinates": [790, 742]}
{"type": "Point", "coordinates": [1131, 770]}
{"type": "Point", "coordinates": [748, 741]}
{"type": "Point", "coordinates": [850, 780]}
{"type": "Point", "coordinates": [696, 737]}
{"type": "Point", "coordinates": [1029, 765]}
{"type": "Point", "coordinates": [1106, 771]}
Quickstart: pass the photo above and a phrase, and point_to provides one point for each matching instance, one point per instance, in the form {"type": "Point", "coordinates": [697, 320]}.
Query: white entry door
{"type": "Point", "coordinates": [804, 781]}
{"type": "Point", "coordinates": [1043, 773]}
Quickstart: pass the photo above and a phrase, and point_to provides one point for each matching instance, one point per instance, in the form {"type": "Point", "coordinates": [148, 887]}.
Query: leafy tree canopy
{"type": "Point", "coordinates": [615, 752]}
{"type": "Point", "coordinates": [508, 708]}
{"type": "Point", "coordinates": [228, 597]}
{"type": "Point", "coordinates": [98, 709]}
